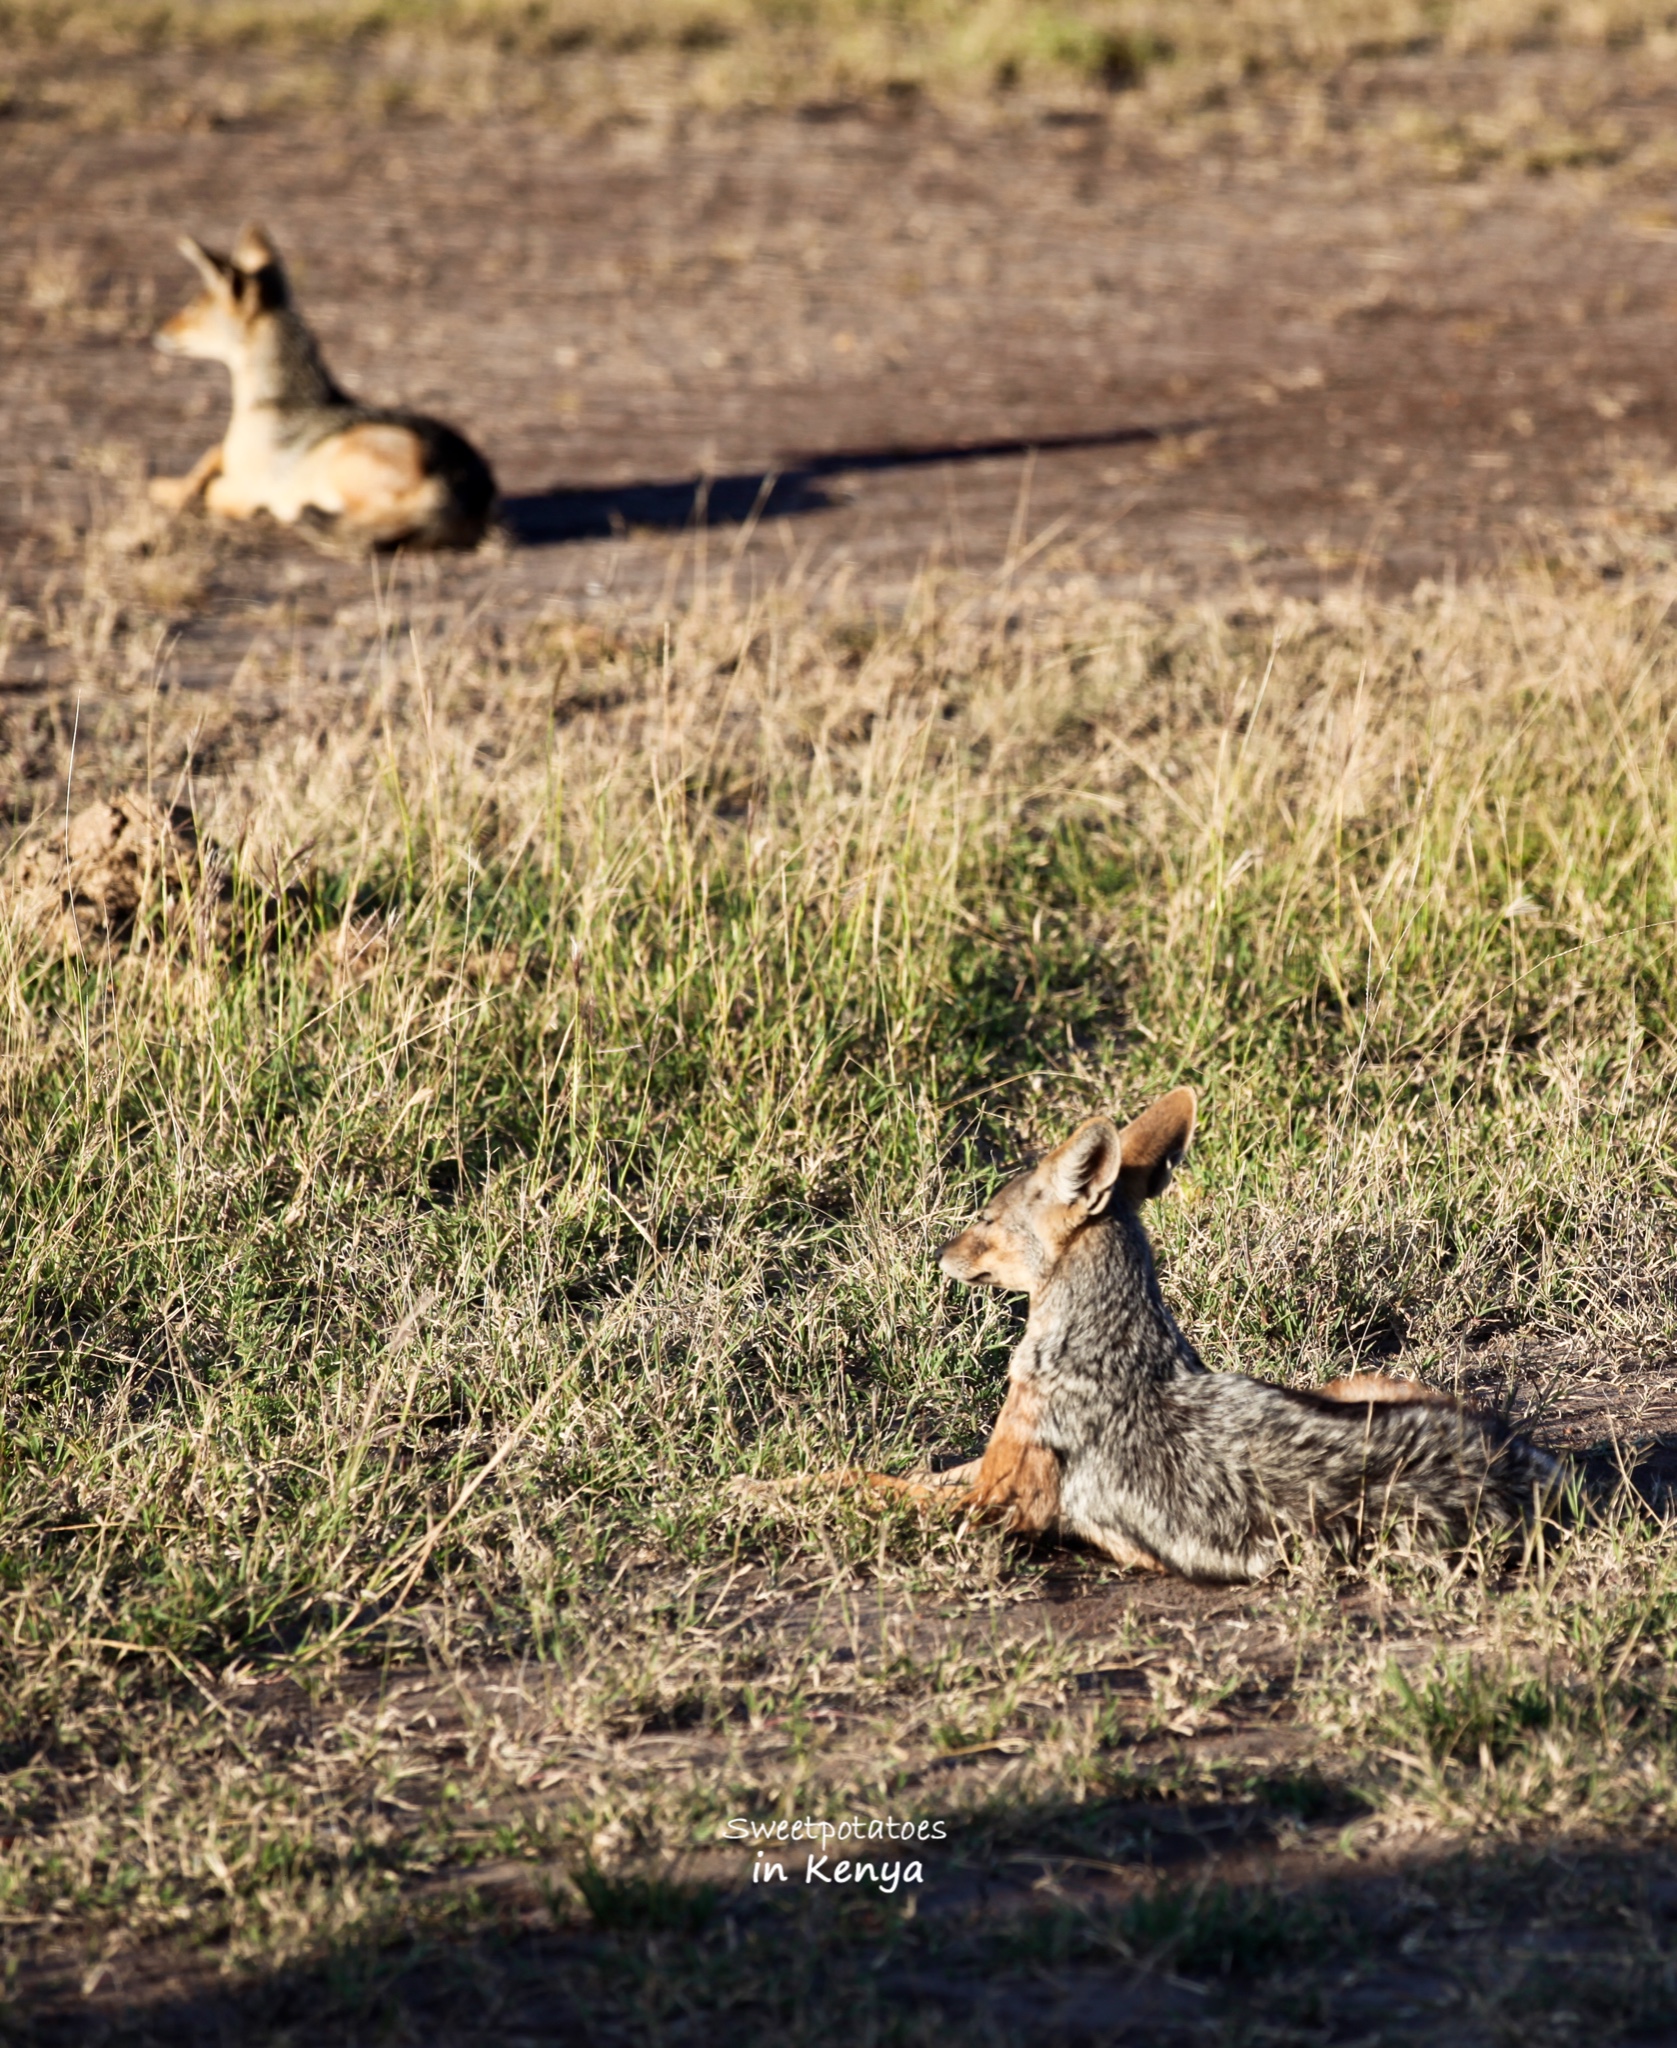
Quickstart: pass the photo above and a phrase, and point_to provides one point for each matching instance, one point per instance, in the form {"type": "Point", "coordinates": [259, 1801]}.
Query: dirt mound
{"type": "Point", "coordinates": [125, 868]}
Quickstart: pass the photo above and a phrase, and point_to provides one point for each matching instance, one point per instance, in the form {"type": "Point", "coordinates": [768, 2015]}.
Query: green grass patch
{"type": "Point", "coordinates": [392, 1288]}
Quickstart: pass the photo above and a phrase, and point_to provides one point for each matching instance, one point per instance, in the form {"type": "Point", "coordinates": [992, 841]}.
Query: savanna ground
{"type": "Point", "coordinates": [609, 965]}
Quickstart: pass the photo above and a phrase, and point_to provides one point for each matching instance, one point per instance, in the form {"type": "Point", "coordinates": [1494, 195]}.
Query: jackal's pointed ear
{"type": "Point", "coordinates": [210, 267]}
{"type": "Point", "coordinates": [259, 281]}
{"type": "Point", "coordinates": [1154, 1144]}
{"type": "Point", "coordinates": [1087, 1165]}
{"type": "Point", "coordinates": [253, 251]}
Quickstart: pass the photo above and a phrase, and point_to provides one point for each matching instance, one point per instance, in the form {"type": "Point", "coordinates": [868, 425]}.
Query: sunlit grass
{"type": "Point", "coordinates": [583, 60]}
{"type": "Point", "coordinates": [403, 1272]}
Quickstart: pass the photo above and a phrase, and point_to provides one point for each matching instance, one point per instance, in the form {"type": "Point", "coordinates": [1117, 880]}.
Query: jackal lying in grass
{"type": "Point", "coordinates": [1114, 1431]}
{"type": "Point", "coordinates": [298, 447]}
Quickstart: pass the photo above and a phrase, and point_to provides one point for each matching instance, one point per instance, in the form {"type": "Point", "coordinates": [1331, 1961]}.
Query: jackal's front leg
{"type": "Point", "coordinates": [1016, 1482]}
{"type": "Point", "coordinates": [928, 1490]}
{"type": "Point", "coordinates": [1019, 1476]}
{"type": "Point", "coordinates": [175, 493]}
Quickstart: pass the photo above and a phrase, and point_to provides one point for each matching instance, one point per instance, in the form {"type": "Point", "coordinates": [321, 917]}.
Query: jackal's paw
{"type": "Point", "coordinates": [172, 492]}
{"type": "Point", "coordinates": [956, 1478]}
{"type": "Point", "coordinates": [765, 1492]}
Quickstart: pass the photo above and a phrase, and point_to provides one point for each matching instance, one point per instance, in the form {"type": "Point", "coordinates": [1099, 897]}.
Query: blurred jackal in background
{"type": "Point", "coordinates": [298, 447]}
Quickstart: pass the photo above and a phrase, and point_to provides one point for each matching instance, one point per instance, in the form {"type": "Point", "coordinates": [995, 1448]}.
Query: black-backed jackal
{"type": "Point", "coordinates": [298, 447]}
{"type": "Point", "coordinates": [1115, 1432]}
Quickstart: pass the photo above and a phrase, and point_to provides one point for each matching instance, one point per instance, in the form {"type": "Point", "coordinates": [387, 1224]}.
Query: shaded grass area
{"type": "Point", "coordinates": [400, 1268]}
{"type": "Point", "coordinates": [1557, 1947]}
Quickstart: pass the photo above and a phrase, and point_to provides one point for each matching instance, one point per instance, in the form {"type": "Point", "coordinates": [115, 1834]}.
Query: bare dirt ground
{"type": "Point", "coordinates": [846, 344]}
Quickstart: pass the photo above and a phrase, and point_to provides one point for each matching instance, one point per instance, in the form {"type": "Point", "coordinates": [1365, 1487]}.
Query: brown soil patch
{"type": "Point", "coordinates": [1401, 1942]}
{"type": "Point", "coordinates": [85, 886]}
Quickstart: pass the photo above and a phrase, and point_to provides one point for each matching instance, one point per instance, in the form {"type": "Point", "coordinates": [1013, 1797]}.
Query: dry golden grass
{"type": "Point", "coordinates": [116, 63]}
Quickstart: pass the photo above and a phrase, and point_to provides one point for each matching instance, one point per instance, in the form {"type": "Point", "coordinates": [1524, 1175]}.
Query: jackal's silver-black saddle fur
{"type": "Point", "coordinates": [1210, 1470]}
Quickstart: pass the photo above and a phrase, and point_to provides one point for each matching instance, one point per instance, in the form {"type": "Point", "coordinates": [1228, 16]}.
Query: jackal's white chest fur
{"type": "Point", "coordinates": [263, 470]}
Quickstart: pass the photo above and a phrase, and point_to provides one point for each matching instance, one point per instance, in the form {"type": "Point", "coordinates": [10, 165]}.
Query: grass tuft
{"type": "Point", "coordinates": [643, 1905]}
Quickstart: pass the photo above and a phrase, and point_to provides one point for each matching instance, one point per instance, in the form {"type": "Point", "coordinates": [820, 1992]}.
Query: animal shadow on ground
{"type": "Point", "coordinates": [1647, 1467]}
{"type": "Point", "coordinates": [550, 518]}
